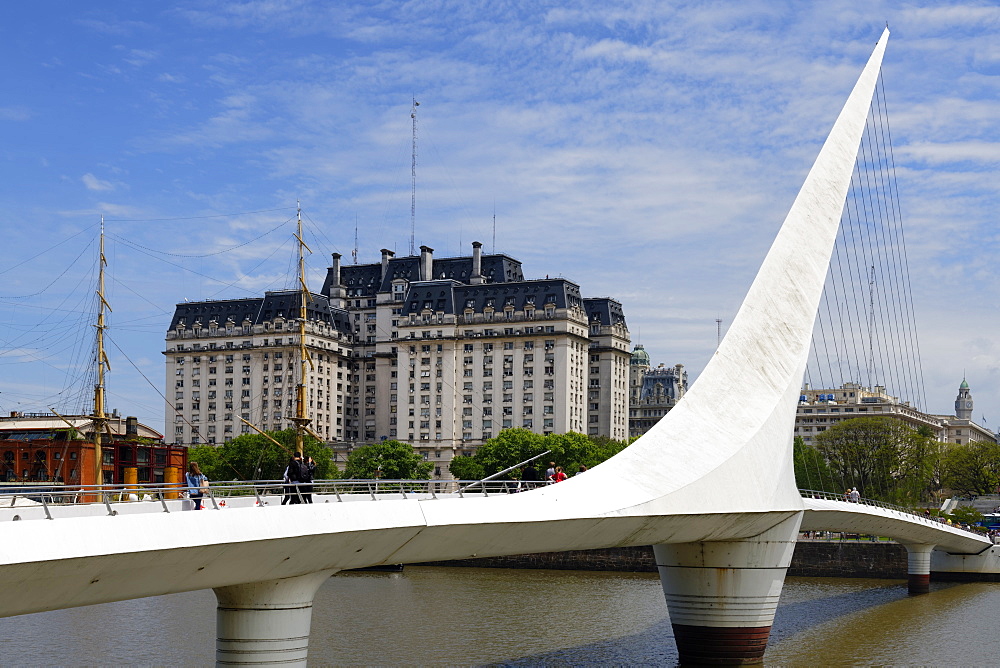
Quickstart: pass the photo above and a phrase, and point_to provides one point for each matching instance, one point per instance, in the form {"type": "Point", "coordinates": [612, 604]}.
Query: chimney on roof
{"type": "Point", "coordinates": [335, 271]}
{"type": "Point", "coordinates": [477, 263]}
{"type": "Point", "coordinates": [386, 255]}
{"type": "Point", "coordinates": [336, 288]}
{"type": "Point", "coordinates": [426, 263]}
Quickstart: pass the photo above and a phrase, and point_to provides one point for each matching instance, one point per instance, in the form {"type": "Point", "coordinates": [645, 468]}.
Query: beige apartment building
{"type": "Point", "coordinates": [439, 353]}
{"type": "Point", "coordinates": [820, 409]}
{"type": "Point", "coordinates": [239, 358]}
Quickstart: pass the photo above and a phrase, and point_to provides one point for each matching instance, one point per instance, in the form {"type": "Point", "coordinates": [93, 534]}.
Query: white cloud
{"type": "Point", "coordinates": [94, 183]}
{"type": "Point", "coordinates": [15, 114]}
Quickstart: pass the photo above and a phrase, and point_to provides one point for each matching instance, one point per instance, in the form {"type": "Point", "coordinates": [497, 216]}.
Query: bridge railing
{"type": "Point", "coordinates": [49, 501]}
{"type": "Point", "coordinates": [833, 496]}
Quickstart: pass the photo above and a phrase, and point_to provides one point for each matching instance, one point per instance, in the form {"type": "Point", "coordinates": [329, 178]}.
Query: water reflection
{"type": "Point", "coordinates": [463, 616]}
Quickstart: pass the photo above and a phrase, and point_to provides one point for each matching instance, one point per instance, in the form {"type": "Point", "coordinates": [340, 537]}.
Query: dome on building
{"type": "Point", "coordinates": [640, 356]}
{"type": "Point", "coordinates": [963, 386]}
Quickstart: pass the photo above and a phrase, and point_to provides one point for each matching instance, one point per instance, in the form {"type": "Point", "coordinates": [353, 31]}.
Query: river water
{"type": "Point", "coordinates": [471, 616]}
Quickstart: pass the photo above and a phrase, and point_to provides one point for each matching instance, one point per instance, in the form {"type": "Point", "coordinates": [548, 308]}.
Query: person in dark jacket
{"type": "Point", "coordinates": [308, 470]}
{"type": "Point", "coordinates": [529, 475]}
{"type": "Point", "coordinates": [294, 474]}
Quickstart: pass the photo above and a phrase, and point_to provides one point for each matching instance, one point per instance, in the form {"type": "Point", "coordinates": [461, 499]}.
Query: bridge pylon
{"type": "Point", "coordinates": [266, 623]}
{"type": "Point", "coordinates": [918, 567]}
{"type": "Point", "coordinates": [722, 595]}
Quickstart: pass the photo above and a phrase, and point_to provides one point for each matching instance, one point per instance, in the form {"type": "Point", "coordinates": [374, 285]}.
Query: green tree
{"type": "Point", "coordinates": [254, 457]}
{"type": "Point", "coordinates": [513, 446]}
{"type": "Point", "coordinates": [389, 460]}
{"type": "Point", "coordinates": [466, 468]}
{"type": "Point", "coordinates": [868, 453]}
{"type": "Point", "coordinates": [920, 471]}
{"type": "Point", "coordinates": [966, 515]}
{"type": "Point", "coordinates": [973, 468]}
{"type": "Point", "coordinates": [811, 469]}
{"type": "Point", "coordinates": [571, 450]}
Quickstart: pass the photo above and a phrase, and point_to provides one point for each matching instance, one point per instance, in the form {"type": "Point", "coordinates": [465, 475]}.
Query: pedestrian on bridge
{"type": "Point", "coordinates": [529, 476]}
{"type": "Point", "coordinates": [855, 495]}
{"type": "Point", "coordinates": [300, 475]}
{"type": "Point", "coordinates": [197, 483]}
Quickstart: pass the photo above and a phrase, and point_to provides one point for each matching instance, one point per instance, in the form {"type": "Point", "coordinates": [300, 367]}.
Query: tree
{"type": "Point", "coordinates": [389, 460]}
{"type": "Point", "coordinates": [509, 447]}
{"type": "Point", "coordinates": [973, 468]}
{"type": "Point", "coordinates": [811, 469]}
{"type": "Point", "coordinates": [513, 446]}
{"type": "Point", "coordinates": [966, 515]}
{"type": "Point", "coordinates": [869, 453]}
{"type": "Point", "coordinates": [254, 457]}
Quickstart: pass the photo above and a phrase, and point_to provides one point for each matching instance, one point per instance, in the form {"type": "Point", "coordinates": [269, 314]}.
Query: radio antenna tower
{"type": "Point", "coordinates": [354, 253]}
{"type": "Point", "coordinates": [413, 177]}
{"type": "Point", "coordinates": [718, 332]}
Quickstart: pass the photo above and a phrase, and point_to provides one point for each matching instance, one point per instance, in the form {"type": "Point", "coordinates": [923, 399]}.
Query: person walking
{"type": "Point", "coordinates": [558, 476]}
{"type": "Point", "coordinates": [855, 495]}
{"type": "Point", "coordinates": [529, 476]}
{"type": "Point", "coordinates": [197, 483]}
{"type": "Point", "coordinates": [551, 471]}
{"type": "Point", "coordinates": [294, 474]}
{"type": "Point", "coordinates": [308, 467]}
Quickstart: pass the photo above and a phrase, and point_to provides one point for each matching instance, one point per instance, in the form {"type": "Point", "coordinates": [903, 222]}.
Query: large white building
{"type": "Point", "coordinates": [820, 409]}
{"type": "Point", "coordinates": [440, 353]}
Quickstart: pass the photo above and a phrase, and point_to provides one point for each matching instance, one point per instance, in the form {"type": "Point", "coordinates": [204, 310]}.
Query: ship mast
{"type": "Point", "coordinates": [100, 420]}
{"type": "Point", "coordinates": [301, 419]}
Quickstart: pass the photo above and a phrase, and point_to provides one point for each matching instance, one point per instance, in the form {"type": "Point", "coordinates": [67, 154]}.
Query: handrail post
{"type": "Point", "coordinates": [163, 501]}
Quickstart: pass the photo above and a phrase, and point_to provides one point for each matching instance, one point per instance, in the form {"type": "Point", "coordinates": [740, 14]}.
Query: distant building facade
{"type": "Point", "coordinates": [960, 428]}
{"type": "Point", "coordinates": [652, 391]}
{"type": "Point", "coordinates": [820, 409]}
{"type": "Point", "coordinates": [439, 353]}
{"type": "Point", "coordinates": [38, 448]}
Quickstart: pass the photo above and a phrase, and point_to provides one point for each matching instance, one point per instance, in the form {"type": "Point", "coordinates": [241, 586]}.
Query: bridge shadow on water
{"type": "Point", "coordinates": [806, 604]}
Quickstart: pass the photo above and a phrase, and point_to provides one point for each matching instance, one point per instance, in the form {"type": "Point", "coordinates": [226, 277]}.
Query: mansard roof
{"type": "Point", "coordinates": [604, 310]}
{"type": "Point", "coordinates": [283, 303]}
{"type": "Point", "coordinates": [451, 296]}
{"type": "Point", "coordinates": [367, 279]}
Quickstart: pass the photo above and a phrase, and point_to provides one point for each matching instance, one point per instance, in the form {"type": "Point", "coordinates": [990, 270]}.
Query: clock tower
{"type": "Point", "coordinates": [963, 403]}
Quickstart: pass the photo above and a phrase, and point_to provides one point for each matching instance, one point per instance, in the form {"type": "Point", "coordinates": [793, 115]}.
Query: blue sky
{"type": "Point", "coordinates": [646, 150]}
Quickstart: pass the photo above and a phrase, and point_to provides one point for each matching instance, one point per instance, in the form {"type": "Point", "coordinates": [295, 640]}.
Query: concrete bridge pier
{"type": "Point", "coordinates": [918, 568]}
{"type": "Point", "coordinates": [722, 595]}
{"type": "Point", "coordinates": [266, 623]}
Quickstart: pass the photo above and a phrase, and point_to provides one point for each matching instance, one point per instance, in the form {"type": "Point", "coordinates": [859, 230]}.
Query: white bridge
{"type": "Point", "coordinates": [711, 487]}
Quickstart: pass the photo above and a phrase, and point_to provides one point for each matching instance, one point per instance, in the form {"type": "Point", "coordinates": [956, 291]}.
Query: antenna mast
{"type": "Point", "coordinates": [354, 253]}
{"type": "Point", "coordinates": [301, 419]}
{"type": "Point", "coordinates": [99, 417]}
{"type": "Point", "coordinates": [718, 332]}
{"type": "Point", "coordinates": [413, 177]}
